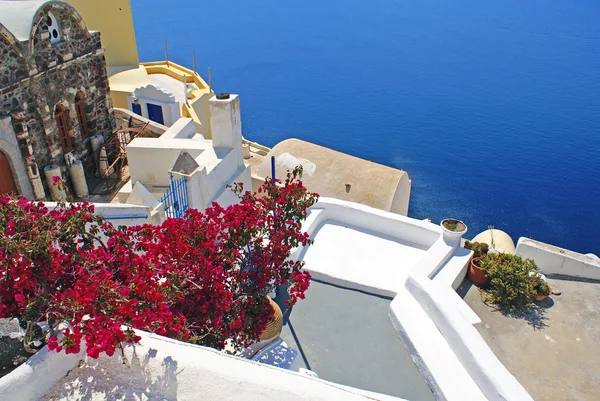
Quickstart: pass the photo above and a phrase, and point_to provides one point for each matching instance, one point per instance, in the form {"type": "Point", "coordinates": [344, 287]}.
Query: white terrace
{"type": "Point", "coordinates": [399, 330]}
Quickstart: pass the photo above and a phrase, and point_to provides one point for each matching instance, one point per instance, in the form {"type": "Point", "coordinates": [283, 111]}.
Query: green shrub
{"type": "Point", "coordinates": [541, 287]}
{"type": "Point", "coordinates": [479, 248]}
{"type": "Point", "coordinates": [513, 280]}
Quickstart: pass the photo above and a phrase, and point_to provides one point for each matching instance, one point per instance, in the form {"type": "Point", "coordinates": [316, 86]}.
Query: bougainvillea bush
{"type": "Point", "coordinates": [202, 278]}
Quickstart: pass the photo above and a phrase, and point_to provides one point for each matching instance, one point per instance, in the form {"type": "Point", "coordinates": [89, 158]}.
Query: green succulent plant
{"type": "Point", "coordinates": [479, 248]}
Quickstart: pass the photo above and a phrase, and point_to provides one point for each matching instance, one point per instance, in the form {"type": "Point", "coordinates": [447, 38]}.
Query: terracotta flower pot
{"type": "Point", "coordinates": [275, 325]}
{"type": "Point", "coordinates": [478, 275]}
{"type": "Point", "coordinates": [540, 297]}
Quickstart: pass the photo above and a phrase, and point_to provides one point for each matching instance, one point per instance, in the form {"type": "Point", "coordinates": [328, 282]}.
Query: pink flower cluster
{"type": "Point", "coordinates": [202, 278]}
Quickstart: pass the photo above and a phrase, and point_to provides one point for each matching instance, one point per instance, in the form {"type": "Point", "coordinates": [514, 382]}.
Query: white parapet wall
{"type": "Point", "coordinates": [124, 214]}
{"type": "Point", "coordinates": [161, 368]}
{"type": "Point", "coordinates": [554, 260]}
{"type": "Point", "coordinates": [34, 378]}
{"type": "Point", "coordinates": [219, 167]}
{"type": "Point", "coordinates": [380, 273]}
{"type": "Point", "coordinates": [418, 232]}
{"type": "Point", "coordinates": [437, 327]}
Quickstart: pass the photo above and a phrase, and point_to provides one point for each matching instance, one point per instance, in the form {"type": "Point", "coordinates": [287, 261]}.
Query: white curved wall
{"type": "Point", "coordinates": [402, 196]}
{"type": "Point", "coordinates": [421, 233]}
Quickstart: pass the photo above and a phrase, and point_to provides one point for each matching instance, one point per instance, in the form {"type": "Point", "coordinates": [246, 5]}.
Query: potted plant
{"type": "Point", "coordinates": [541, 289]}
{"type": "Point", "coordinates": [512, 281]}
{"type": "Point", "coordinates": [479, 268]}
{"type": "Point", "coordinates": [477, 273]}
{"type": "Point", "coordinates": [479, 248]}
{"type": "Point", "coordinates": [453, 230]}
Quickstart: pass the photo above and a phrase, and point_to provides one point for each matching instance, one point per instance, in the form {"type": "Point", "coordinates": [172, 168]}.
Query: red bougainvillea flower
{"type": "Point", "coordinates": [202, 278]}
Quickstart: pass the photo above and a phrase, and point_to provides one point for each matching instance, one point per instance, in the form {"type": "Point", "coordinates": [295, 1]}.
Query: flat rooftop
{"type": "Point", "coordinates": [552, 350]}
{"type": "Point", "coordinates": [346, 336]}
{"type": "Point", "coordinates": [327, 172]}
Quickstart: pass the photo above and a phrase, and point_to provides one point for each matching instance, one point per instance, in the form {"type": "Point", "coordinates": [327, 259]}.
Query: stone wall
{"type": "Point", "coordinates": [36, 75]}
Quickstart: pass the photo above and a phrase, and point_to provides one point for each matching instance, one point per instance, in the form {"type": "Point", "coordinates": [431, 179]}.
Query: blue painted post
{"type": "Point", "coordinates": [273, 169]}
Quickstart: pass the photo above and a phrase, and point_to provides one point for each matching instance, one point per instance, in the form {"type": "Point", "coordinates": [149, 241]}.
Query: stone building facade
{"type": "Point", "coordinates": [54, 93]}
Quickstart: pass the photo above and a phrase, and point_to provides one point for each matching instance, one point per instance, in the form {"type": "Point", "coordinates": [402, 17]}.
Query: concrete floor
{"type": "Point", "coordinates": [347, 337]}
{"type": "Point", "coordinates": [554, 349]}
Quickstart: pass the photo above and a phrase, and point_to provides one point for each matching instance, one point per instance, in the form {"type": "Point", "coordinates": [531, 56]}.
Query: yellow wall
{"type": "Point", "coordinates": [114, 20]}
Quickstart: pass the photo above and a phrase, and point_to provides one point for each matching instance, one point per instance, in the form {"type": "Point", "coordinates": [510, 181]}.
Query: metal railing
{"type": "Point", "coordinates": [176, 198]}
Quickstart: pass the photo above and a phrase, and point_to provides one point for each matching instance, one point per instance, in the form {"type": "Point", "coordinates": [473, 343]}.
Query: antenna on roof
{"type": "Point", "coordinates": [209, 79]}
{"type": "Point", "coordinates": [166, 53]}
{"type": "Point", "coordinates": [194, 62]}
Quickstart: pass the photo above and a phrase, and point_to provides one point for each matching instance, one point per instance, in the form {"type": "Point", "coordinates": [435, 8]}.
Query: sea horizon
{"type": "Point", "coordinates": [492, 109]}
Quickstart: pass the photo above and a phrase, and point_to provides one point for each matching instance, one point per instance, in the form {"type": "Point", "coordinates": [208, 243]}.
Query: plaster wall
{"type": "Point", "coordinates": [150, 159]}
{"type": "Point", "coordinates": [128, 215]}
{"type": "Point", "coordinates": [10, 147]}
{"type": "Point", "coordinates": [435, 324]}
{"type": "Point", "coordinates": [183, 128]}
{"type": "Point", "coordinates": [34, 378]}
{"type": "Point", "coordinates": [160, 368]}
{"type": "Point", "coordinates": [200, 107]}
{"type": "Point", "coordinates": [208, 183]}
{"type": "Point", "coordinates": [421, 234]}
{"type": "Point", "coordinates": [115, 21]}
{"type": "Point", "coordinates": [226, 123]}
{"type": "Point", "coordinates": [500, 240]}
{"type": "Point", "coordinates": [554, 260]}
{"type": "Point", "coordinates": [122, 85]}
{"type": "Point", "coordinates": [123, 214]}
{"type": "Point", "coordinates": [492, 378]}
{"type": "Point", "coordinates": [366, 248]}
{"type": "Point", "coordinates": [227, 197]}
{"type": "Point", "coordinates": [120, 99]}
{"type": "Point", "coordinates": [402, 196]}
{"type": "Point", "coordinates": [153, 94]}
{"type": "Point", "coordinates": [194, 105]}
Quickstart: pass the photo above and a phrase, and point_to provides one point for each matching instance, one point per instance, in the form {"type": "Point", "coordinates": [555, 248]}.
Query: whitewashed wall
{"type": "Point", "coordinates": [34, 378]}
{"type": "Point", "coordinates": [436, 325]}
{"type": "Point", "coordinates": [150, 159]}
{"type": "Point", "coordinates": [161, 368]}
{"type": "Point", "coordinates": [554, 260]}
{"type": "Point", "coordinates": [123, 214]}
{"type": "Point", "coordinates": [152, 93]}
{"type": "Point", "coordinates": [422, 234]}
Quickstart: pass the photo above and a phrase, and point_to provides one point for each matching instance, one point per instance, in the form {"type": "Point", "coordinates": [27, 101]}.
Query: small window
{"type": "Point", "coordinates": [53, 29]}
{"type": "Point", "coordinates": [136, 108]}
{"type": "Point", "coordinates": [80, 109]}
{"type": "Point", "coordinates": [63, 130]}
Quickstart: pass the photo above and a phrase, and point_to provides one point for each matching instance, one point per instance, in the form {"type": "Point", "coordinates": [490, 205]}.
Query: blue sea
{"type": "Point", "coordinates": [493, 107]}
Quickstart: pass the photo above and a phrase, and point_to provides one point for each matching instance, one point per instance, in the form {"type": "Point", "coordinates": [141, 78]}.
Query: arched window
{"type": "Point", "coordinates": [63, 129]}
{"type": "Point", "coordinates": [53, 29]}
{"type": "Point", "coordinates": [80, 109]}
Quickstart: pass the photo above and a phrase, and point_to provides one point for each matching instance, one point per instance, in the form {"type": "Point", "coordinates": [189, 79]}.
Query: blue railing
{"type": "Point", "coordinates": [176, 197]}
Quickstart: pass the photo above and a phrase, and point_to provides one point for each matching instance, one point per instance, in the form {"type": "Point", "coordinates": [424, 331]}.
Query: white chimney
{"type": "Point", "coordinates": [225, 121]}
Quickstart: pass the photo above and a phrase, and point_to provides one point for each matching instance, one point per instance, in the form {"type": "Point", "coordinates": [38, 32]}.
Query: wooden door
{"type": "Point", "coordinates": [7, 183]}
